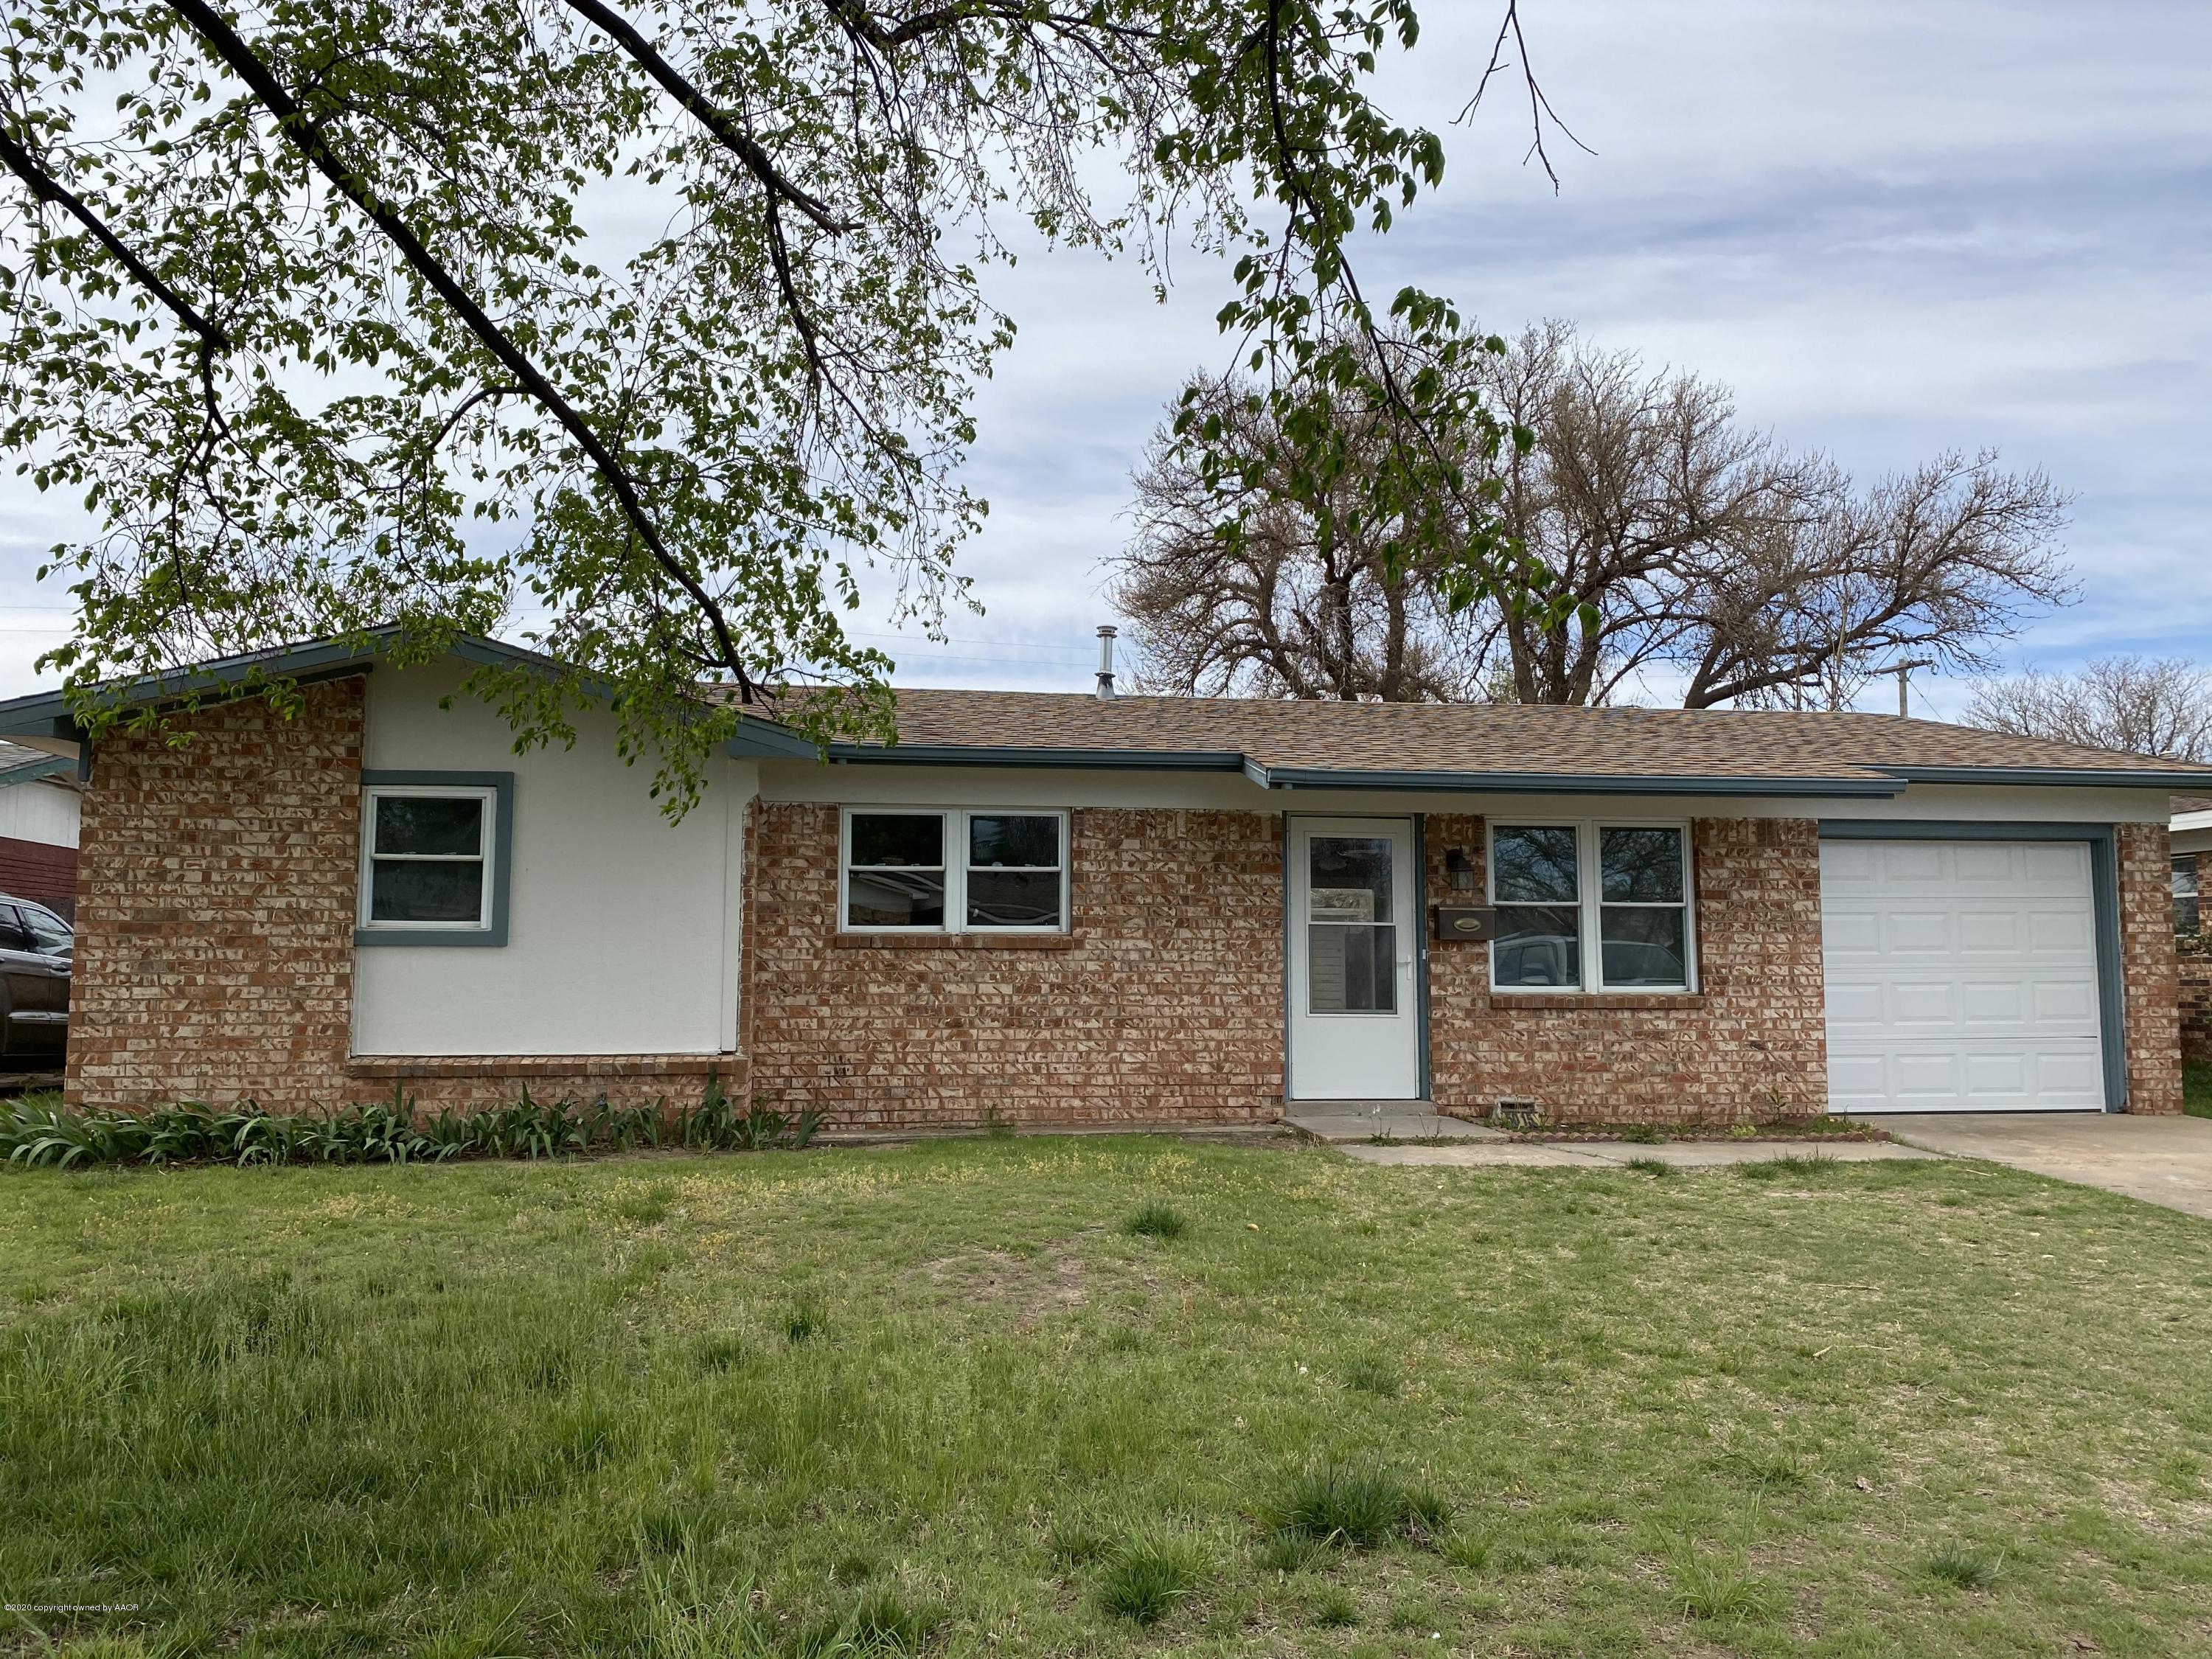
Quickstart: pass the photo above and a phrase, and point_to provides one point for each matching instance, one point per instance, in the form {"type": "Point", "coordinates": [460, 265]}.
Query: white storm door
{"type": "Point", "coordinates": [1961, 976]}
{"type": "Point", "coordinates": [1355, 1017]}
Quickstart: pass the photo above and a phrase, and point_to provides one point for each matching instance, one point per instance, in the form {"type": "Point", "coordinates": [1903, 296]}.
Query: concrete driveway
{"type": "Point", "coordinates": [2161, 1160]}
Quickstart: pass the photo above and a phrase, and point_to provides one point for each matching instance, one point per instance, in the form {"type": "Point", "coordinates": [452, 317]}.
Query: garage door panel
{"type": "Point", "coordinates": [1987, 862]}
{"type": "Point", "coordinates": [1852, 932]}
{"type": "Point", "coordinates": [1904, 863]}
{"type": "Point", "coordinates": [1988, 1076]}
{"type": "Point", "coordinates": [1961, 975]}
{"type": "Point", "coordinates": [1994, 1001]}
{"type": "Point", "coordinates": [1990, 931]}
{"type": "Point", "coordinates": [1917, 933]}
{"type": "Point", "coordinates": [2061, 933]}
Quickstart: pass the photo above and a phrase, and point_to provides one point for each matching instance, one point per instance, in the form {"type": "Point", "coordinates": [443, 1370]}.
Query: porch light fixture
{"type": "Point", "coordinates": [1459, 870]}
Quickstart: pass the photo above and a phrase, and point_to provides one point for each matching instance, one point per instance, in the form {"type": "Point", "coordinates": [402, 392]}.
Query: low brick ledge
{"type": "Point", "coordinates": [955, 941]}
{"type": "Point", "coordinates": [1601, 1001]}
{"type": "Point", "coordinates": [401, 1066]}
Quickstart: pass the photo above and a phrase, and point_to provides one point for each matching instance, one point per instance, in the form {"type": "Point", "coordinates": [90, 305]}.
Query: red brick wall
{"type": "Point", "coordinates": [2149, 973]}
{"type": "Point", "coordinates": [39, 870]}
{"type": "Point", "coordinates": [1750, 1046]}
{"type": "Point", "coordinates": [2196, 973]}
{"type": "Point", "coordinates": [215, 910]}
{"type": "Point", "coordinates": [1164, 1006]}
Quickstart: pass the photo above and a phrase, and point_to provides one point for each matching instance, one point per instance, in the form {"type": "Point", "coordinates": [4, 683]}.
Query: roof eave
{"type": "Point", "coordinates": [48, 715]}
{"type": "Point", "coordinates": [2061, 776]}
{"type": "Point", "coordinates": [1578, 783]}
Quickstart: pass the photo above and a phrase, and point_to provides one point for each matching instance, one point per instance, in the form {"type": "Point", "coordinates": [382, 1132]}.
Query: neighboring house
{"type": "Point", "coordinates": [40, 799]}
{"type": "Point", "coordinates": [1077, 908]}
{"type": "Point", "coordinates": [2191, 830]}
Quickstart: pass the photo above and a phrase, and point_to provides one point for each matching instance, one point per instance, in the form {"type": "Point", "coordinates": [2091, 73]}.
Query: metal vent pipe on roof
{"type": "Point", "coordinates": [1106, 633]}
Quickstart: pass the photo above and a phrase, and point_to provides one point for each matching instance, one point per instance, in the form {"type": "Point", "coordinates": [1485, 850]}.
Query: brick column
{"type": "Point", "coordinates": [2149, 974]}
{"type": "Point", "coordinates": [215, 910]}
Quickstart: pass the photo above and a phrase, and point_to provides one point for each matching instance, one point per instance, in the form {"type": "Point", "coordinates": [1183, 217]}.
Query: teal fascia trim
{"type": "Point", "coordinates": [501, 784]}
{"type": "Point", "coordinates": [2105, 902]}
{"type": "Point", "coordinates": [2084, 777]}
{"type": "Point", "coordinates": [47, 714]}
{"type": "Point", "coordinates": [765, 740]}
{"type": "Point", "coordinates": [1576, 783]}
{"type": "Point", "coordinates": [31, 770]}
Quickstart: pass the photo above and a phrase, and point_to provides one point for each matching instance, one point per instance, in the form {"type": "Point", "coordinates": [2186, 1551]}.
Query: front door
{"type": "Point", "coordinates": [1355, 1011]}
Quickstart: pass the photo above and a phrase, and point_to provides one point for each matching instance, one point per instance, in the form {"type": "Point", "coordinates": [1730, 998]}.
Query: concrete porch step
{"type": "Point", "coordinates": [1341, 1122]}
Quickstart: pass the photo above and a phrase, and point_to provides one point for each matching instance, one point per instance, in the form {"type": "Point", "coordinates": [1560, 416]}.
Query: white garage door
{"type": "Point", "coordinates": [1961, 976]}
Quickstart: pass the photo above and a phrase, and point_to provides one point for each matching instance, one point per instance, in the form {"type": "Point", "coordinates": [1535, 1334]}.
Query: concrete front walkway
{"type": "Point", "coordinates": [2161, 1160]}
{"type": "Point", "coordinates": [1613, 1154]}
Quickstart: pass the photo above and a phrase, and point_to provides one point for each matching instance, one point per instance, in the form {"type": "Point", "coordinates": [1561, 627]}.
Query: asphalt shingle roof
{"type": "Point", "coordinates": [1483, 738]}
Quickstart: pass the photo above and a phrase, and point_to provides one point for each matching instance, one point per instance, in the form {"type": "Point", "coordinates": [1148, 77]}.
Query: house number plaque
{"type": "Point", "coordinates": [1475, 924]}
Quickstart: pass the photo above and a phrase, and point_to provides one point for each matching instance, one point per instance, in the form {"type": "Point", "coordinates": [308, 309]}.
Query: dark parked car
{"type": "Point", "coordinates": [37, 948]}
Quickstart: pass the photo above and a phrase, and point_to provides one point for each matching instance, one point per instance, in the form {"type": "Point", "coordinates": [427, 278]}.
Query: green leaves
{"type": "Point", "coordinates": [643, 332]}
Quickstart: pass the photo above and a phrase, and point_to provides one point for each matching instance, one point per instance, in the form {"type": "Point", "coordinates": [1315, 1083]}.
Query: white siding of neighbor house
{"type": "Point", "coordinates": [930, 786]}
{"type": "Point", "coordinates": [40, 812]}
{"type": "Point", "coordinates": [624, 929]}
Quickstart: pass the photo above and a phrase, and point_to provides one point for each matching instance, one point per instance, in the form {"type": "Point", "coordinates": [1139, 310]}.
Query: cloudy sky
{"type": "Point", "coordinates": [1894, 228]}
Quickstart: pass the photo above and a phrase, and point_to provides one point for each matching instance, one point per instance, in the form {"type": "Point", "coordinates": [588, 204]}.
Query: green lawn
{"type": "Point", "coordinates": [941, 1398]}
{"type": "Point", "coordinates": [2197, 1091]}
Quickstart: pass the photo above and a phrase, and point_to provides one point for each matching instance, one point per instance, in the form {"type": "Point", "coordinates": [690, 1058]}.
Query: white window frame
{"type": "Point", "coordinates": [955, 820]}
{"type": "Point", "coordinates": [487, 855]}
{"type": "Point", "coordinates": [1590, 903]}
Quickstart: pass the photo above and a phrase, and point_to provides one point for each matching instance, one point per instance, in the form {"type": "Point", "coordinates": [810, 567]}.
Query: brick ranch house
{"type": "Point", "coordinates": [1096, 910]}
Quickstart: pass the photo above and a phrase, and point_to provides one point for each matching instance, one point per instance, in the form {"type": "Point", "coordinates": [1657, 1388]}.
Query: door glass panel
{"type": "Point", "coordinates": [1641, 867]}
{"type": "Point", "coordinates": [1351, 969]}
{"type": "Point", "coordinates": [1534, 865]}
{"type": "Point", "coordinates": [1645, 947]}
{"type": "Point", "coordinates": [1537, 945]}
{"type": "Point", "coordinates": [1352, 944]}
{"type": "Point", "coordinates": [1348, 878]}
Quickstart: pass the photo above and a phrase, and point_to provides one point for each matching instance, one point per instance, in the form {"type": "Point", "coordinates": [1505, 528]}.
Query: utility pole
{"type": "Point", "coordinates": [1902, 670]}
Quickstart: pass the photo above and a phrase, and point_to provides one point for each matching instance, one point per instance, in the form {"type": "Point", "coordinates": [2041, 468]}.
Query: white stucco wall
{"type": "Point", "coordinates": [42, 811]}
{"type": "Point", "coordinates": [624, 929]}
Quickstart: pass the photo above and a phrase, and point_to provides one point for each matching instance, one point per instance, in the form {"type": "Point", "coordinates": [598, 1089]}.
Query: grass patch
{"type": "Point", "coordinates": [1723, 1590]}
{"type": "Point", "coordinates": [1147, 1576]}
{"type": "Point", "coordinates": [2197, 1091]}
{"type": "Point", "coordinates": [1964, 1569]}
{"type": "Point", "coordinates": [1331, 1502]}
{"type": "Point", "coordinates": [1373, 1374]}
{"type": "Point", "coordinates": [1156, 1219]}
{"type": "Point", "coordinates": [487, 1409]}
{"type": "Point", "coordinates": [1651, 1166]}
{"type": "Point", "coordinates": [1791, 1166]}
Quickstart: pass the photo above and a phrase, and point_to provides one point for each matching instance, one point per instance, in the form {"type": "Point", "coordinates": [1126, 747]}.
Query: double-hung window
{"type": "Point", "coordinates": [1592, 907]}
{"type": "Point", "coordinates": [431, 857]}
{"type": "Point", "coordinates": [944, 870]}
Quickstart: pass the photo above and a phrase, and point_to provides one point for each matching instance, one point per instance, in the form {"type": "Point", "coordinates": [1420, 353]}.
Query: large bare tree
{"type": "Point", "coordinates": [1664, 542]}
{"type": "Point", "coordinates": [2147, 706]}
{"type": "Point", "coordinates": [1295, 602]}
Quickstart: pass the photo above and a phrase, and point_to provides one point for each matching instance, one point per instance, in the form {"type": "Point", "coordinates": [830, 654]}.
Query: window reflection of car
{"type": "Point", "coordinates": [37, 949]}
{"type": "Point", "coordinates": [1537, 959]}
{"type": "Point", "coordinates": [1631, 962]}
